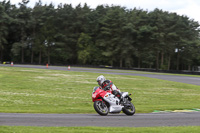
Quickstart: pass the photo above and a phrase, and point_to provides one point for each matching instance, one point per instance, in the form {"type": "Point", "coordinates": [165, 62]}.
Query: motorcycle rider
{"type": "Point", "coordinates": [108, 85]}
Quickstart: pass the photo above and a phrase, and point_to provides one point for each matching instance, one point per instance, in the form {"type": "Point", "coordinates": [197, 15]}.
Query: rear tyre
{"type": "Point", "coordinates": [100, 108]}
{"type": "Point", "coordinates": [129, 110]}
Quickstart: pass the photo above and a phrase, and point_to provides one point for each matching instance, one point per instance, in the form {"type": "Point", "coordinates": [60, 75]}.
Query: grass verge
{"type": "Point", "coordinates": [28, 90]}
{"type": "Point", "coordinates": [21, 129]}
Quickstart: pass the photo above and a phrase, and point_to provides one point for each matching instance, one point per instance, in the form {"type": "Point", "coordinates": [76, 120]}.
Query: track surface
{"type": "Point", "coordinates": [176, 78]}
{"type": "Point", "coordinates": [117, 120]}
{"type": "Point", "coordinates": [112, 120]}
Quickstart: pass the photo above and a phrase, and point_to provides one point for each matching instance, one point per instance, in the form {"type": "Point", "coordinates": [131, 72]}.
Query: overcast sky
{"type": "Point", "coordinates": [190, 8]}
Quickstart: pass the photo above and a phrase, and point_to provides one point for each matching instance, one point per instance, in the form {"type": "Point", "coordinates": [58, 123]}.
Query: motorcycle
{"type": "Point", "coordinates": [105, 102]}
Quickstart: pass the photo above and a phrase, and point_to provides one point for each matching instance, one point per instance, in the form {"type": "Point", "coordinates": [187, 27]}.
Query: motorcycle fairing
{"type": "Point", "coordinates": [113, 101]}
{"type": "Point", "coordinates": [97, 94]}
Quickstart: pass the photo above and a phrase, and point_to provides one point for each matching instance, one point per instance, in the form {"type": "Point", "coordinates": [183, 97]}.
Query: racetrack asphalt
{"type": "Point", "coordinates": [112, 120]}
{"type": "Point", "coordinates": [177, 78]}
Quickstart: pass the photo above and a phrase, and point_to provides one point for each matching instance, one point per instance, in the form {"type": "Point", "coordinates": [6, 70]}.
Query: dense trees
{"type": "Point", "coordinates": [106, 35]}
{"type": "Point", "coordinates": [4, 24]}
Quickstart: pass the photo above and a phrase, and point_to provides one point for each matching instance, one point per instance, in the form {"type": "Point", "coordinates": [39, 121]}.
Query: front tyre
{"type": "Point", "coordinates": [129, 110]}
{"type": "Point", "coordinates": [100, 108]}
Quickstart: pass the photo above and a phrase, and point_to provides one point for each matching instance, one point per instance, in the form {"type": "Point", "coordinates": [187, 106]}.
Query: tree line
{"type": "Point", "coordinates": [107, 35]}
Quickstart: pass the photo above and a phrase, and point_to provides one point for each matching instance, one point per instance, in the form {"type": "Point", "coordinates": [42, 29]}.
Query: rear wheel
{"type": "Point", "coordinates": [129, 109]}
{"type": "Point", "coordinates": [100, 108]}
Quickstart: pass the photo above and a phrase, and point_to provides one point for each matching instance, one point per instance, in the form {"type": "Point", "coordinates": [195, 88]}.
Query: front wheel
{"type": "Point", "coordinates": [100, 108]}
{"type": "Point", "coordinates": [129, 110]}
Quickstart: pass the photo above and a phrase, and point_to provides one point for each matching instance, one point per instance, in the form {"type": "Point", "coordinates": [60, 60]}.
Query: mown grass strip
{"type": "Point", "coordinates": [22, 129]}
{"type": "Point", "coordinates": [27, 90]}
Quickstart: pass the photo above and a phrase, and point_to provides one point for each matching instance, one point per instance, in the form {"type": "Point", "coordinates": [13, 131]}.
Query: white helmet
{"type": "Point", "coordinates": [101, 79]}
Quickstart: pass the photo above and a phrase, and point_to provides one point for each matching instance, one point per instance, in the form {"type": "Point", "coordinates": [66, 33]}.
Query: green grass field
{"type": "Point", "coordinates": [25, 90]}
{"type": "Point", "coordinates": [20, 129]}
{"type": "Point", "coordinates": [28, 90]}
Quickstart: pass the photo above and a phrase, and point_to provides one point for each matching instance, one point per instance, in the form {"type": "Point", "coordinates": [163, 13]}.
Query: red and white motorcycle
{"type": "Point", "coordinates": [105, 102]}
